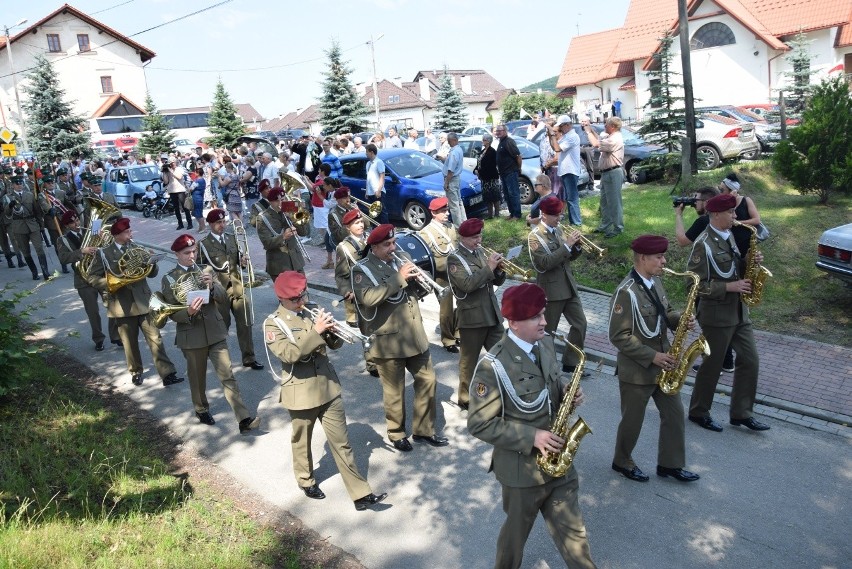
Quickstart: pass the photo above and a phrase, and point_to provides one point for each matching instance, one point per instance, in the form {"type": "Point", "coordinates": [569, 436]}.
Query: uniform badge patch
{"type": "Point", "coordinates": [453, 268]}
{"type": "Point", "coordinates": [480, 390]}
{"type": "Point", "coordinates": [270, 336]}
{"type": "Point", "coordinates": [358, 279]}
{"type": "Point", "coordinates": [618, 309]}
{"type": "Point", "coordinates": [696, 258]}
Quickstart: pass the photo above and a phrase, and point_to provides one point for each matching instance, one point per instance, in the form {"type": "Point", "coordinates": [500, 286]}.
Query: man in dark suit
{"type": "Point", "coordinates": [279, 238]}
{"type": "Point", "coordinates": [640, 314]}
{"type": "Point", "coordinates": [514, 397]}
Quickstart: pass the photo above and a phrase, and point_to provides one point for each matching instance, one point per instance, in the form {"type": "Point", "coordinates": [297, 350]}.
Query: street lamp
{"type": "Point", "coordinates": [23, 123]}
{"type": "Point", "coordinates": [372, 44]}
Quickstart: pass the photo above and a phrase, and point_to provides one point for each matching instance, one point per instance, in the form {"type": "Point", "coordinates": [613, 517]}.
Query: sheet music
{"type": "Point", "coordinates": [193, 294]}
{"type": "Point", "coordinates": [514, 252]}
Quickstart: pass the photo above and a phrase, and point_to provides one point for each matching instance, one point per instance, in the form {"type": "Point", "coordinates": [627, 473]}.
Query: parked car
{"type": "Point", "coordinates": [184, 145]}
{"type": "Point", "coordinates": [106, 149]}
{"type": "Point", "coordinates": [835, 252]}
{"type": "Point", "coordinates": [477, 130]}
{"type": "Point", "coordinates": [763, 110]}
{"type": "Point", "coordinates": [128, 183]}
{"type": "Point", "coordinates": [412, 180]}
{"type": "Point", "coordinates": [290, 135]}
{"type": "Point", "coordinates": [263, 145]}
{"type": "Point", "coordinates": [267, 135]}
{"type": "Point", "coordinates": [718, 138]}
{"type": "Point", "coordinates": [768, 135]}
{"type": "Point", "coordinates": [126, 143]}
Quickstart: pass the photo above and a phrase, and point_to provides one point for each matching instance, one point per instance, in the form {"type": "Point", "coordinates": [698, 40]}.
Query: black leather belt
{"type": "Point", "coordinates": [609, 169]}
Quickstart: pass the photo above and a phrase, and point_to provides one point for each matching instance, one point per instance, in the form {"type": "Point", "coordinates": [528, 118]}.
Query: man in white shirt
{"type": "Point", "coordinates": [268, 170]}
{"type": "Point", "coordinates": [375, 180]}
{"type": "Point", "coordinates": [453, 166]}
{"type": "Point", "coordinates": [393, 140]}
{"type": "Point", "coordinates": [566, 142]}
{"type": "Point", "coordinates": [358, 146]}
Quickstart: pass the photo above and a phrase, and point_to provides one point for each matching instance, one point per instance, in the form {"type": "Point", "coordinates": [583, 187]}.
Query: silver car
{"type": "Point", "coordinates": [835, 252]}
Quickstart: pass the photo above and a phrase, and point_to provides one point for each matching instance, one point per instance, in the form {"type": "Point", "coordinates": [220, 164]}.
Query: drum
{"type": "Point", "coordinates": [417, 249]}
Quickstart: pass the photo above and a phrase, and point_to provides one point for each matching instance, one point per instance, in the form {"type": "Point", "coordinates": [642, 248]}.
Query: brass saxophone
{"type": "Point", "coordinates": [754, 271]}
{"type": "Point", "coordinates": [556, 464]}
{"type": "Point", "coordinates": [671, 380]}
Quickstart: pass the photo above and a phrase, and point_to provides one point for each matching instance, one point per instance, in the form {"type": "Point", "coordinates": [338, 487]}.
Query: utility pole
{"type": "Point", "coordinates": [372, 43]}
{"type": "Point", "coordinates": [686, 65]}
{"type": "Point", "coordinates": [22, 121]}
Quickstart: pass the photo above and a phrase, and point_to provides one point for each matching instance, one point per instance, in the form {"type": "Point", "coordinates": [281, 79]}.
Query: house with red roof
{"type": "Point", "coordinates": [738, 51]}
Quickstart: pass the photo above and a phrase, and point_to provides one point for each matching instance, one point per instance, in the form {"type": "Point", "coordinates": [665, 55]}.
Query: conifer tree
{"type": "Point", "coordinates": [54, 131]}
{"type": "Point", "coordinates": [224, 123]}
{"type": "Point", "coordinates": [341, 109]}
{"type": "Point", "coordinates": [667, 114]}
{"type": "Point", "coordinates": [799, 77]}
{"type": "Point", "coordinates": [451, 113]}
{"type": "Point", "coordinates": [158, 135]}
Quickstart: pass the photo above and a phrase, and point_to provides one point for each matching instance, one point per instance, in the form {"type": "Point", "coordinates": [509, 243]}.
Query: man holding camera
{"type": "Point", "coordinates": [685, 238]}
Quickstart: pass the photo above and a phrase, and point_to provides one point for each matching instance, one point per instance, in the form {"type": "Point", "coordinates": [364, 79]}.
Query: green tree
{"type": "Point", "coordinates": [798, 91]}
{"type": "Point", "coordinates": [54, 131]}
{"type": "Point", "coordinates": [225, 124]}
{"type": "Point", "coordinates": [817, 158]}
{"type": "Point", "coordinates": [158, 135]}
{"type": "Point", "coordinates": [341, 109]}
{"type": "Point", "coordinates": [667, 115]}
{"type": "Point", "coordinates": [451, 111]}
{"type": "Point", "coordinates": [533, 103]}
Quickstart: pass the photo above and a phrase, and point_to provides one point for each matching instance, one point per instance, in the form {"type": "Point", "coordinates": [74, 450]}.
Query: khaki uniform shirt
{"type": "Point", "coordinates": [224, 258]}
{"type": "Point", "coordinates": [130, 300]}
{"type": "Point", "coordinates": [717, 262]}
{"type": "Point", "coordinates": [26, 212]}
{"type": "Point", "coordinates": [347, 254]}
{"type": "Point", "coordinates": [473, 282]}
{"type": "Point", "coordinates": [551, 259]}
{"type": "Point", "coordinates": [442, 239]}
{"type": "Point", "coordinates": [281, 255]}
{"type": "Point", "coordinates": [336, 229]}
{"type": "Point", "coordinates": [68, 248]}
{"type": "Point", "coordinates": [203, 328]}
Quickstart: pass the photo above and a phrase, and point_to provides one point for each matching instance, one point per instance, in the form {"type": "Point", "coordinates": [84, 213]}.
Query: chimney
{"type": "Point", "coordinates": [424, 88]}
{"type": "Point", "coordinates": [465, 85]}
{"type": "Point", "coordinates": [397, 81]}
{"type": "Point", "coordinates": [361, 89]}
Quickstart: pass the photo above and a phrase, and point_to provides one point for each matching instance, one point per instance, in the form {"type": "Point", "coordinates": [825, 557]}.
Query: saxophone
{"type": "Point", "coordinates": [557, 464]}
{"type": "Point", "coordinates": [754, 271]}
{"type": "Point", "coordinates": [671, 381]}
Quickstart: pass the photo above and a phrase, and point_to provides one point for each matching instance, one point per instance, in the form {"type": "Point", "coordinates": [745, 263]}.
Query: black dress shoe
{"type": "Point", "coordinates": [750, 423]}
{"type": "Point", "coordinates": [171, 379]}
{"type": "Point", "coordinates": [99, 346]}
{"type": "Point", "coordinates": [136, 379]}
{"type": "Point", "coordinates": [434, 440]}
{"type": "Point", "coordinates": [118, 343]}
{"type": "Point", "coordinates": [314, 492]}
{"type": "Point", "coordinates": [254, 365]}
{"type": "Point", "coordinates": [205, 417]}
{"type": "Point", "coordinates": [403, 445]}
{"type": "Point", "coordinates": [570, 369]}
{"type": "Point", "coordinates": [677, 473]}
{"type": "Point", "coordinates": [368, 500]}
{"type": "Point", "coordinates": [706, 423]}
{"type": "Point", "coordinates": [453, 349]}
{"type": "Point", "coordinates": [250, 423]}
{"type": "Point", "coordinates": [634, 473]}
{"type": "Point", "coordinates": [373, 372]}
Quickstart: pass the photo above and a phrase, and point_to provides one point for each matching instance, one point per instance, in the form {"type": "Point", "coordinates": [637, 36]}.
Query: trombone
{"type": "Point", "coordinates": [510, 268]}
{"type": "Point", "coordinates": [425, 281]}
{"type": "Point", "coordinates": [585, 243]}
{"type": "Point", "coordinates": [374, 210]}
{"type": "Point", "coordinates": [247, 275]}
{"type": "Point", "coordinates": [341, 330]}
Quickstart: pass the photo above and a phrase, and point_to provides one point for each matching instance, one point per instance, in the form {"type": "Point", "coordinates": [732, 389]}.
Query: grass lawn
{"type": "Point", "coordinates": [799, 300]}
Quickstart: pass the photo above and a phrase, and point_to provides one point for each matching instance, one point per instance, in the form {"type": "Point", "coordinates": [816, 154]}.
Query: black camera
{"type": "Point", "coordinates": [682, 200]}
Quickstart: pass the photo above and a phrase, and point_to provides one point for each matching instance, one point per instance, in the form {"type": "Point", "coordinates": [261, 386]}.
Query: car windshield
{"type": "Point", "coordinates": [631, 138]}
{"type": "Point", "coordinates": [144, 174]}
{"type": "Point", "coordinates": [527, 148]}
{"type": "Point", "coordinates": [413, 165]}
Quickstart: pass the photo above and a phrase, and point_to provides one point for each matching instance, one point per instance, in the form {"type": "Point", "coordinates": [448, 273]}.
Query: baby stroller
{"type": "Point", "coordinates": [159, 206]}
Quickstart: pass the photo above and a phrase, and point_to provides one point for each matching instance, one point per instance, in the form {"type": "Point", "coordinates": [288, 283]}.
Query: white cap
{"type": "Point", "coordinates": [563, 119]}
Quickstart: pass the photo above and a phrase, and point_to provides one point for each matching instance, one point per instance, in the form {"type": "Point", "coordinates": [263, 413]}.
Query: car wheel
{"type": "Point", "coordinates": [415, 215]}
{"type": "Point", "coordinates": [636, 175]}
{"type": "Point", "coordinates": [708, 157]}
{"type": "Point", "coordinates": [527, 192]}
{"type": "Point", "coordinates": [137, 202]}
{"type": "Point", "coordinates": [753, 155]}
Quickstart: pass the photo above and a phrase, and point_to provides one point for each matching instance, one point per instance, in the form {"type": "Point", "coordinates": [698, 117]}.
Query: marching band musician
{"type": "Point", "coordinates": [473, 277]}
{"type": "Point", "coordinates": [310, 388]}
{"type": "Point", "coordinates": [6, 242]}
{"type": "Point", "coordinates": [22, 207]}
{"type": "Point", "coordinates": [551, 253]}
{"type": "Point", "coordinates": [336, 227]}
{"type": "Point", "coordinates": [55, 198]}
{"type": "Point", "coordinates": [69, 250]}
{"type": "Point", "coordinates": [219, 250]}
{"type": "Point", "coordinates": [279, 238]}
{"type": "Point", "coordinates": [441, 237]}
{"type": "Point", "coordinates": [640, 314]}
{"type": "Point", "coordinates": [260, 205]}
{"type": "Point", "coordinates": [201, 334]}
{"type": "Point", "coordinates": [129, 306]}
{"type": "Point", "coordinates": [387, 309]}
{"type": "Point", "coordinates": [94, 185]}
{"type": "Point", "coordinates": [514, 396]}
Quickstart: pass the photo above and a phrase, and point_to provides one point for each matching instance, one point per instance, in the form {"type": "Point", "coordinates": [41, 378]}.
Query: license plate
{"type": "Point", "coordinates": [476, 199]}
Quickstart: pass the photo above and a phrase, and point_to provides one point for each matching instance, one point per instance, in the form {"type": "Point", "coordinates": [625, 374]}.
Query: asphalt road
{"type": "Point", "coordinates": [776, 500]}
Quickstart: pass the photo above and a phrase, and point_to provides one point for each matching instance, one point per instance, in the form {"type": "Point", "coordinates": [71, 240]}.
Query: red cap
{"type": "Point", "coordinates": [182, 242]}
{"type": "Point", "coordinates": [551, 205]}
{"type": "Point", "coordinates": [263, 185]}
{"type": "Point", "coordinates": [523, 301]}
{"type": "Point", "coordinates": [438, 203]}
{"type": "Point", "coordinates": [290, 284]}
{"type": "Point", "coordinates": [650, 244]}
{"type": "Point", "coordinates": [722, 202]}
{"type": "Point", "coordinates": [69, 217]}
{"type": "Point", "coordinates": [215, 215]}
{"type": "Point", "coordinates": [341, 193]}
{"type": "Point", "coordinates": [471, 226]}
{"type": "Point", "coordinates": [381, 233]}
{"type": "Point", "coordinates": [120, 225]}
{"type": "Point", "coordinates": [351, 216]}
{"type": "Point", "coordinates": [275, 194]}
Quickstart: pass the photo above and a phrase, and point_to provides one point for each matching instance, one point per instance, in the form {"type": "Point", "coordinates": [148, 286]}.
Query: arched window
{"type": "Point", "coordinates": [713, 34]}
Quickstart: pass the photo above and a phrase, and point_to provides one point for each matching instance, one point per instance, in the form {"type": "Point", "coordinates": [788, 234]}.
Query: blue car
{"type": "Point", "coordinates": [412, 180]}
{"type": "Point", "coordinates": [128, 183]}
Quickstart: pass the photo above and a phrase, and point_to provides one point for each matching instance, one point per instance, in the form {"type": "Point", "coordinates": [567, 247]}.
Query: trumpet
{"type": "Point", "coordinates": [585, 243]}
{"type": "Point", "coordinates": [425, 281]}
{"type": "Point", "coordinates": [510, 268]}
{"type": "Point", "coordinates": [342, 331]}
{"type": "Point", "coordinates": [374, 209]}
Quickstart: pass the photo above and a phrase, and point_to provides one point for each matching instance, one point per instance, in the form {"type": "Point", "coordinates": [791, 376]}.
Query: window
{"type": "Point", "coordinates": [393, 98]}
{"type": "Point", "coordinates": [713, 34]}
{"type": "Point", "coordinates": [355, 169]}
{"type": "Point", "coordinates": [106, 84]}
{"type": "Point", "coordinates": [53, 45]}
{"type": "Point", "coordinates": [83, 42]}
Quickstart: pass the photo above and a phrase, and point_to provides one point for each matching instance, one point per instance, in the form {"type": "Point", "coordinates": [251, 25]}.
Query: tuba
{"type": "Point", "coordinates": [671, 381]}
{"type": "Point", "coordinates": [293, 187]}
{"type": "Point", "coordinates": [754, 272]}
{"type": "Point", "coordinates": [133, 266]}
{"type": "Point", "coordinates": [557, 464]}
{"type": "Point", "coordinates": [100, 211]}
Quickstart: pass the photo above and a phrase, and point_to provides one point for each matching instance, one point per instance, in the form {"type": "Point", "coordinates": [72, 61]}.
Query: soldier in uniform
{"type": "Point", "coordinates": [219, 250]}
{"type": "Point", "coordinates": [336, 227]}
{"type": "Point", "coordinates": [473, 277]}
{"type": "Point", "coordinates": [724, 319]}
{"type": "Point", "coordinates": [6, 220]}
{"type": "Point", "coordinates": [310, 388]}
{"type": "Point", "coordinates": [388, 308]}
{"type": "Point", "coordinates": [201, 334]}
{"type": "Point", "coordinates": [23, 209]}
{"type": "Point", "coordinates": [514, 397]}
{"type": "Point", "coordinates": [72, 194]}
{"type": "Point", "coordinates": [279, 238]}
{"type": "Point", "coordinates": [441, 237]}
{"type": "Point", "coordinates": [640, 314]}
{"type": "Point", "coordinates": [129, 306]}
{"type": "Point", "coordinates": [94, 189]}
{"type": "Point", "coordinates": [56, 201]}
{"type": "Point", "coordinates": [551, 253]}
{"type": "Point", "coordinates": [260, 205]}
{"type": "Point", "coordinates": [70, 250]}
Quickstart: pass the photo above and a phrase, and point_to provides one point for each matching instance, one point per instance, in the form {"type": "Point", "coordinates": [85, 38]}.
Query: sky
{"type": "Point", "coordinates": [272, 53]}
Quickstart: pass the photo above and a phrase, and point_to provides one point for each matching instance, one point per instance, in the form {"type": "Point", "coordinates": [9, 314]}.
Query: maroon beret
{"type": "Point", "coordinates": [275, 194]}
{"type": "Point", "coordinates": [381, 233]}
{"type": "Point", "coordinates": [470, 227]}
{"type": "Point", "coordinates": [523, 301]}
{"type": "Point", "coordinates": [69, 217]}
{"type": "Point", "coordinates": [438, 203]}
{"type": "Point", "coordinates": [341, 193]}
{"type": "Point", "coordinates": [182, 242]}
{"type": "Point", "coordinates": [551, 205]}
{"type": "Point", "coordinates": [722, 202]}
{"type": "Point", "coordinates": [215, 215]}
{"type": "Point", "coordinates": [290, 284]}
{"type": "Point", "coordinates": [351, 216]}
{"type": "Point", "coordinates": [121, 224]}
{"type": "Point", "coordinates": [263, 185]}
{"type": "Point", "coordinates": [650, 244]}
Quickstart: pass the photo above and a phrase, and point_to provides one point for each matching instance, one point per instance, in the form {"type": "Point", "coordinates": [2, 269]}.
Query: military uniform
{"type": "Point", "coordinates": [223, 256]}
{"type": "Point", "coordinates": [479, 319]}
{"type": "Point", "coordinates": [506, 413]}
{"type": "Point", "coordinates": [5, 222]}
{"type": "Point", "coordinates": [257, 208]}
{"type": "Point", "coordinates": [281, 255]}
{"type": "Point", "coordinates": [336, 229]}
{"type": "Point", "coordinates": [551, 259]}
{"type": "Point", "coordinates": [442, 239]}
{"type": "Point", "coordinates": [54, 198]}
{"type": "Point", "coordinates": [87, 204]}
{"type": "Point", "coordinates": [347, 254]}
{"type": "Point", "coordinates": [388, 308]}
{"type": "Point", "coordinates": [310, 391]}
{"type": "Point", "coordinates": [24, 210]}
